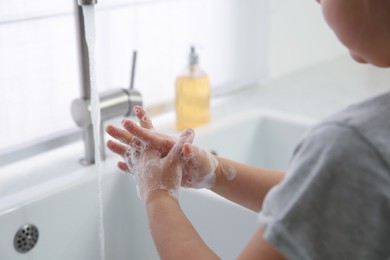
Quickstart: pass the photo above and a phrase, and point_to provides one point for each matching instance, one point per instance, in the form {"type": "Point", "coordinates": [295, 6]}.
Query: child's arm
{"type": "Point", "coordinates": [249, 186]}
{"type": "Point", "coordinates": [173, 234]}
{"type": "Point", "coordinates": [243, 184]}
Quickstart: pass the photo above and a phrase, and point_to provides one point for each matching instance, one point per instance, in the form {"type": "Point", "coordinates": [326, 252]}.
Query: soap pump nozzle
{"type": "Point", "coordinates": [193, 58]}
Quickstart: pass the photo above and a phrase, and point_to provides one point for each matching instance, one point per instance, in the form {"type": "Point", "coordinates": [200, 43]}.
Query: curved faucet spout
{"type": "Point", "coordinates": [113, 103]}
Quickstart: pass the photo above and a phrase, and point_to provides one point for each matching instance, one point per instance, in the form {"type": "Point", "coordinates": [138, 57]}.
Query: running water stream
{"type": "Point", "coordinates": [90, 35]}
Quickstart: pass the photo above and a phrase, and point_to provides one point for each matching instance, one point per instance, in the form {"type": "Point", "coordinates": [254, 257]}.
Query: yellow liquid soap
{"type": "Point", "coordinates": [192, 99]}
{"type": "Point", "coordinates": [192, 95]}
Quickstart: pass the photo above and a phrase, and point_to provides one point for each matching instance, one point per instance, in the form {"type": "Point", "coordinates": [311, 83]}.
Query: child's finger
{"type": "Point", "coordinates": [116, 147]}
{"type": "Point", "coordinates": [189, 152]}
{"type": "Point", "coordinates": [141, 133]}
{"type": "Point", "coordinates": [143, 117]}
{"type": "Point", "coordinates": [119, 134]}
{"type": "Point", "coordinates": [123, 167]}
{"type": "Point", "coordinates": [187, 136]}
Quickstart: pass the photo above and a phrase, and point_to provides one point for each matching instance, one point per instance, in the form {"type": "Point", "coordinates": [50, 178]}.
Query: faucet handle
{"type": "Point", "coordinates": [113, 103]}
{"type": "Point", "coordinates": [133, 65]}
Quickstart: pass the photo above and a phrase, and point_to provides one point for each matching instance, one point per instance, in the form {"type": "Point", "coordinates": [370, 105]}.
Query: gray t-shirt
{"type": "Point", "coordinates": [334, 202]}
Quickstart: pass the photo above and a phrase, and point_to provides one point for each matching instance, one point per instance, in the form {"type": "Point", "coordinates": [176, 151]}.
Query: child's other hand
{"type": "Point", "coordinates": [199, 169]}
{"type": "Point", "coordinates": [133, 135]}
{"type": "Point", "coordinates": [155, 173]}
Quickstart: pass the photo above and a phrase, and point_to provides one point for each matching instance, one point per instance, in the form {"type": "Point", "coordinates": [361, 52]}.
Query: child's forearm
{"type": "Point", "coordinates": [173, 234]}
{"type": "Point", "coordinates": [244, 184]}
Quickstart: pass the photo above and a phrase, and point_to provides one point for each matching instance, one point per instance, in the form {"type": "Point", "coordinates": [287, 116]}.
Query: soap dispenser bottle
{"type": "Point", "coordinates": [192, 102]}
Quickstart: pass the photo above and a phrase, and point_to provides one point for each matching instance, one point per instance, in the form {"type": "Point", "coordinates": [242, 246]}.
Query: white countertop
{"type": "Point", "coordinates": [315, 92]}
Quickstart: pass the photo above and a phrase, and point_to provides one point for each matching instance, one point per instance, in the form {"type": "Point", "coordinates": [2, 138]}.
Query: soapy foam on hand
{"type": "Point", "coordinates": [133, 153]}
{"type": "Point", "coordinates": [145, 178]}
{"type": "Point", "coordinates": [199, 174]}
{"type": "Point", "coordinates": [209, 179]}
{"type": "Point", "coordinates": [229, 172]}
{"type": "Point", "coordinates": [143, 169]}
{"type": "Point", "coordinates": [146, 165]}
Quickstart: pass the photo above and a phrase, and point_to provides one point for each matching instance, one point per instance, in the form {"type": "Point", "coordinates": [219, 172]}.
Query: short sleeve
{"type": "Point", "coordinates": [334, 200]}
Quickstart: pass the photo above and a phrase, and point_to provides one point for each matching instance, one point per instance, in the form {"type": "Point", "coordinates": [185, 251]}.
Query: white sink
{"type": "Point", "coordinates": [65, 208]}
{"type": "Point", "coordinates": [260, 138]}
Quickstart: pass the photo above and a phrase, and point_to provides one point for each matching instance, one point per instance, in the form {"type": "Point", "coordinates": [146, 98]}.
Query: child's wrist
{"type": "Point", "coordinates": [218, 171]}
{"type": "Point", "coordinates": [157, 195]}
{"type": "Point", "coordinates": [224, 171]}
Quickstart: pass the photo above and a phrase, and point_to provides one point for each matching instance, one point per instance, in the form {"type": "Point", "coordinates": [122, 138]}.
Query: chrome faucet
{"type": "Point", "coordinates": [113, 103]}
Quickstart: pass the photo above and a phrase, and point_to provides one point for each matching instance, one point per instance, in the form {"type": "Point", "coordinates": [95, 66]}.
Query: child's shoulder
{"type": "Point", "coordinates": [361, 132]}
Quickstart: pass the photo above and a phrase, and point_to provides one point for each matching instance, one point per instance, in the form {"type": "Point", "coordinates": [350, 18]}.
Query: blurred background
{"type": "Point", "coordinates": [240, 42]}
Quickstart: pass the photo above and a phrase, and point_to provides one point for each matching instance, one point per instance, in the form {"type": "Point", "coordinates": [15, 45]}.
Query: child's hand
{"type": "Point", "coordinates": [135, 135]}
{"type": "Point", "coordinates": [198, 168]}
{"type": "Point", "coordinates": [155, 173]}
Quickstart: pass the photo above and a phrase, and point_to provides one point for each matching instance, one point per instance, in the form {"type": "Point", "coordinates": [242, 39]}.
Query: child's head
{"type": "Point", "coordinates": [363, 26]}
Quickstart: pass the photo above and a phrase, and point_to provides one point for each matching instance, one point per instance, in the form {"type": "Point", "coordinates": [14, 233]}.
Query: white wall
{"type": "Point", "coordinates": [299, 37]}
{"type": "Point", "coordinates": [231, 36]}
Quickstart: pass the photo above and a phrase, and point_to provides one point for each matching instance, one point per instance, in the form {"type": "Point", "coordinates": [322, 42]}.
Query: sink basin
{"type": "Point", "coordinates": [260, 138]}
{"type": "Point", "coordinates": [65, 208]}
